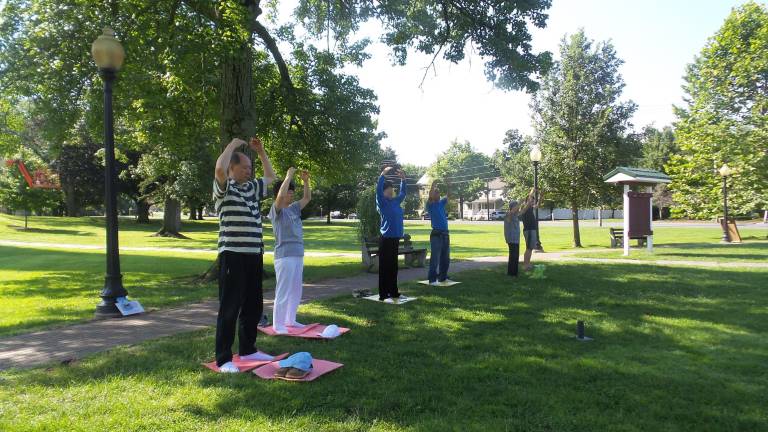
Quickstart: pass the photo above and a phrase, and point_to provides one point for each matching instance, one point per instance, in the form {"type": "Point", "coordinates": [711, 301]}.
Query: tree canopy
{"type": "Point", "coordinates": [725, 120]}
{"type": "Point", "coordinates": [582, 124]}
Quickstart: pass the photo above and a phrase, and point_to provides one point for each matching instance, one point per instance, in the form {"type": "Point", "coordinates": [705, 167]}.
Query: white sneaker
{"type": "Point", "coordinates": [229, 367]}
{"type": "Point", "coordinates": [448, 281]}
{"type": "Point", "coordinates": [280, 330]}
{"type": "Point", "coordinates": [435, 283]}
{"type": "Point", "coordinates": [401, 298]}
{"type": "Point", "coordinates": [258, 356]}
{"type": "Point", "coordinates": [296, 324]}
{"type": "Point", "coordinates": [388, 300]}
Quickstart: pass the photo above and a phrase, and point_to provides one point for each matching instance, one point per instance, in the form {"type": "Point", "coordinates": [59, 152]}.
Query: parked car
{"type": "Point", "coordinates": [337, 215]}
{"type": "Point", "coordinates": [498, 215]}
{"type": "Point", "coordinates": [352, 216]}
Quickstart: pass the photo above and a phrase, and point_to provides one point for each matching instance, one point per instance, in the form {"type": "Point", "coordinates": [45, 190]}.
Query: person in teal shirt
{"type": "Point", "coordinates": [439, 238]}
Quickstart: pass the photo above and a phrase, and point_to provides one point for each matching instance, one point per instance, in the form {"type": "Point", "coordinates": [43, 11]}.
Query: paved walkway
{"type": "Point", "coordinates": [79, 340]}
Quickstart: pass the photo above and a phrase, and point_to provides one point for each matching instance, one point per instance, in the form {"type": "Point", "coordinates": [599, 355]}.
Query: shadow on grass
{"type": "Point", "coordinates": [739, 251]}
{"type": "Point", "coordinates": [675, 348]}
{"type": "Point", "coordinates": [33, 230]}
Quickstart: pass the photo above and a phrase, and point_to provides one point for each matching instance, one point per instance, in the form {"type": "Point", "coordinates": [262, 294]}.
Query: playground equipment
{"type": "Point", "coordinates": [39, 179]}
{"type": "Point", "coordinates": [638, 206]}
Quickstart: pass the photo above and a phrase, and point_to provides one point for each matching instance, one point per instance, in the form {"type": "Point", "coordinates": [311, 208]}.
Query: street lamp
{"type": "Point", "coordinates": [535, 156]}
{"type": "Point", "coordinates": [725, 171]}
{"type": "Point", "coordinates": [109, 55]}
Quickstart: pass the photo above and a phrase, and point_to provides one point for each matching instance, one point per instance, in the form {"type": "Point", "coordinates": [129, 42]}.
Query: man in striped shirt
{"type": "Point", "coordinates": [241, 250]}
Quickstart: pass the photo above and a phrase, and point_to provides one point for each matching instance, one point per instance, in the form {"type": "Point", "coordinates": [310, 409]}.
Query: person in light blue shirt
{"type": "Point", "coordinates": [439, 239]}
{"type": "Point", "coordinates": [285, 215]}
{"type": "Point", "coordinates": [391, 229]}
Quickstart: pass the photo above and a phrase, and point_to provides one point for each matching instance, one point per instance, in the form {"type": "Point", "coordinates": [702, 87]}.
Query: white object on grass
{"type": "Point", "coordinates": [128, 307]}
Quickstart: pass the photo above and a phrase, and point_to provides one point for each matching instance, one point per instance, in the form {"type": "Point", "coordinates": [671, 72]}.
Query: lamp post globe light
{"type": "Point", "coordinates": [725, 171]}
{"type": "Point", "coordinates": [109, 55]}
{"type": "Point", "coordinates": [535, 156]}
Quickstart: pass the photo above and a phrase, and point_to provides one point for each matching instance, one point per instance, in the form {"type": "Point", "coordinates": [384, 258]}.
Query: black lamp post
{"type": "Point", "coordinates": [725, 171]}
{"type": "Point", "coordinates": [109, 55]}
{"type": "Point", "coordinates": [535, 156]}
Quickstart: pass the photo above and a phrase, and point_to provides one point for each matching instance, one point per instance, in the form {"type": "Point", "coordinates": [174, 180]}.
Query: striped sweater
{"type": "Point", "coordinates": [239, 215]}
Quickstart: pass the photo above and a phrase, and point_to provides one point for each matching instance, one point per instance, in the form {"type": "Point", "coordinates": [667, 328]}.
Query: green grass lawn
{"type": "Point", "coordinates": [675, 349]}
{"type": "Point", "coordinates": [42, 287]}
{"type": "Point", "coordinates": [467, 240]}
{"type": "Point", "coordinates": [751, 251]}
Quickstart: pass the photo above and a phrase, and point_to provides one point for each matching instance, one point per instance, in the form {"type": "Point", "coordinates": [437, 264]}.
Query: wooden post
{"type": "Point", "coordinates": [626, 220]}
{"type": "Point", "coordinates": [649, 189]}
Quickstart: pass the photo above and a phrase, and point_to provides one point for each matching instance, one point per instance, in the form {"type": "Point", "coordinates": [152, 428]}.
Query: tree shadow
{"type": "Point", "coordinates": [34, 230]}
{"type": "Point", "coordinates": [673, 349]}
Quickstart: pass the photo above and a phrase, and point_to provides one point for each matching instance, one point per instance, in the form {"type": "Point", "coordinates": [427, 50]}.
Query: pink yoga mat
{"type": "Point", "coordinates": [319, 368]}
{"type": "Point", "coordinates": [245, 365]}
{"type": "Point", "coordinates": [310, 331]}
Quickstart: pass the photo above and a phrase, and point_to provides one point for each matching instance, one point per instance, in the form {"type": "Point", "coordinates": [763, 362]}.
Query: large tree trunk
{"type": "Point", "coordinates": [73, 210]}
{"type": "Point", "coordinates": [142, 211]}
{"type": "Point", "coordinates": [236, 115]}
{"type": "Point", "coordinates": [328, 218]}
{"type": "Point", "coordinates": [192, 212]}
{"type": "Point", "coordinates": [461, 208]}
{"type": "Point", "coordinates": [171, 220]}
{"type": "Point", "coordinates": [575, 218]}
{"type": "Point", "coordinates": [200, 213]}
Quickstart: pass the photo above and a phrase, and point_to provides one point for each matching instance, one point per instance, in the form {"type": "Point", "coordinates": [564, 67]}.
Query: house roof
{"type": "Point", "coordinates": [636, 175]}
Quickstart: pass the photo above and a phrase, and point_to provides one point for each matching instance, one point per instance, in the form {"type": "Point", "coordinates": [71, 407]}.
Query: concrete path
{"type": "Point", "coordinates": [76, 341]}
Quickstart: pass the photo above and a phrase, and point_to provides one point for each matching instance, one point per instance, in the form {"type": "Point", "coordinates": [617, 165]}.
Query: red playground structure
{"type": "Point", "coordinates": [40, 179]}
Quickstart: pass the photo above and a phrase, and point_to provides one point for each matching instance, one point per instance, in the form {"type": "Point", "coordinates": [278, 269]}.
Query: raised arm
{"type": "Point", "coordinates": [222, 163]}
{"type": "Point", "coordinates": [380, 183]}
{"type": "Point", "coordinates": [403, 187]}
{"type": "Point", "coordinates": [307, 191]}
{"type": "Point", "coordinates": [269, 172]}
{"type": "Point", "coordinates": [283, 191]}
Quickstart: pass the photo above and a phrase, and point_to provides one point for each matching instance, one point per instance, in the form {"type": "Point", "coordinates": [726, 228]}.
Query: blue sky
{"type": "Point", "coordinates": [655, 38]}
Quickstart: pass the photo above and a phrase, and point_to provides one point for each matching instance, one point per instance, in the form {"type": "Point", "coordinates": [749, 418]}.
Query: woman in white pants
{"type": "Point", "coordinates": [285, 215]}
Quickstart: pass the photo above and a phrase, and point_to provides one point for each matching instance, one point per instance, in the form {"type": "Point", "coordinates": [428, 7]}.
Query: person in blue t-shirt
{"type": "Point", "coordinates": [439, 239]}
{"type": "Point", "coordinates": [391, 229]}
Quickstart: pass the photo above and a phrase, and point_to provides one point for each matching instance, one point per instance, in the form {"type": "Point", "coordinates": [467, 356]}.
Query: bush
{"type": "Point", "coordinates": [369, 220]}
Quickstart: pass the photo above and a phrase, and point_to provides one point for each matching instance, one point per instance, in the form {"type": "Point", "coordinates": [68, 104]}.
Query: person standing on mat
{"type": "Point", "coordinates": [391, 229]}
{"type": "Point", "coordinates": [530, 230]}
{"type": "Point", "coordinates": [512, 234]}
{"type": "Point", "coordinates": [439, 239]}
{"type": "Point", "coordinates": [285, 215]}
{"type": "Point", "coordinates": [241, 250]}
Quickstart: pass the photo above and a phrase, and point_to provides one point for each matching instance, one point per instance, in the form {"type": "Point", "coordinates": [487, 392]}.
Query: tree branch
{"type": "Point", "coordinates": [271, 44]}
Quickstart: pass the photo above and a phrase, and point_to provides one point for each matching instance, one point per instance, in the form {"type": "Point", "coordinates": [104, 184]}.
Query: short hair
{"type": "Point", "coordinates": [237, 158]}
{"type": "Point", "coordinates": [513, 203]}
{"type": "Point", "coordinates": [278, 183]}
{"type": "Point", "coordinates": [387, 184]}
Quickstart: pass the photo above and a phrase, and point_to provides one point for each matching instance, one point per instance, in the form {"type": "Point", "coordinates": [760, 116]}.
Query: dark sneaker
{"type": "Point", "coordinates": [280, 373]}
{"type": "Point", "coordinates": [296, 374]}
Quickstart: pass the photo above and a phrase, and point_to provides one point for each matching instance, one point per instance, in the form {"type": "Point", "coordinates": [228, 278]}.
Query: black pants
{"type": "Point", "coordinates": [240, 296]}
{"type": "Point", "coordinates": [514, 258]}
{"type": "Point", "coordinates": [388, 267]}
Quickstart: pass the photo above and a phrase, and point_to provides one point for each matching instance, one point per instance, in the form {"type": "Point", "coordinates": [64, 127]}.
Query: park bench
{"type": "Point", "coordinates": [617, 238]}
{"type": "Point", "coordinates": [370, 253]}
